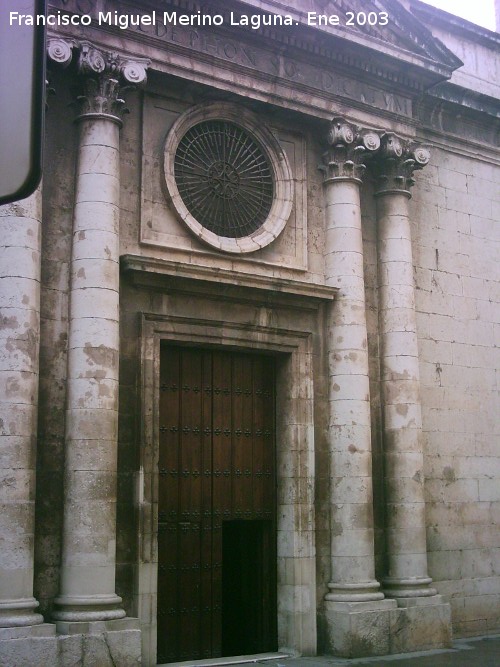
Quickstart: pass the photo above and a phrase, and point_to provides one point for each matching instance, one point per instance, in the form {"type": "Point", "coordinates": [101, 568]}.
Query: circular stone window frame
{"type": "Point", "coordinates": [281, 206]}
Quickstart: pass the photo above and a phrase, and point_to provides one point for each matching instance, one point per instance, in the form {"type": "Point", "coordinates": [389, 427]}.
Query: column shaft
{"type": "Point", "coordinates": [353, 570]}
{"type": "Point", "coordinates": [405, 529]}
{"type": "Point", "coordinates": [352, 540]}
{"type": "Point", "coordinates": [89, 537]}
{"type": "Point", "coordinates": [20, 225]}
{"type": "Point", "coordinates": [89, 531]}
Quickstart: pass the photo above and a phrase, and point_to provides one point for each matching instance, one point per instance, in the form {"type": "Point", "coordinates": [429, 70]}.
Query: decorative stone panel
{"type": "Point", "coordinates": [166, 220]}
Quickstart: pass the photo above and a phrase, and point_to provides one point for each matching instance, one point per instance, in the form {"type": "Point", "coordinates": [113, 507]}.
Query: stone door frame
{"type": "Point", "coordinates": [296, 567]}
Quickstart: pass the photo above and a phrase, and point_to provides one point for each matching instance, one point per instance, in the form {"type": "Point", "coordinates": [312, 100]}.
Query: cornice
{"type": "Point", "coordinates": [424, 43]}
{"type": "Point", "coordinates": [430, 60]}
{"type": "Point", "coordinates": [360, 54]}
{"type": "Point", "coordinates": [224, 284]}
{"type": "Point", "coordinates": [465, 97]}
{"type": "Point", "coordinates": [455, 24]}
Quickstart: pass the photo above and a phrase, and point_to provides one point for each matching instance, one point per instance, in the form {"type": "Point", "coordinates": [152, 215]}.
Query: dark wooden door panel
{"type": "Point", "coordinates": [216, 521]}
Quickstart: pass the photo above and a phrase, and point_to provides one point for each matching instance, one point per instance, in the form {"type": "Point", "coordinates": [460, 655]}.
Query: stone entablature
{"type": "Point", "coordinates": [323, 66]}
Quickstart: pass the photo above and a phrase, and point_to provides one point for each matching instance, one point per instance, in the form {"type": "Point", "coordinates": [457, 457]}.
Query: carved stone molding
{"type": "Point", "coordinates": [349, 146]}
{"type": "Point", "coordinates": [104, 76]}
{"type": "Point", "coordinates": [396, 163]}
{"type": "Point", "coordinates": [60, 51]}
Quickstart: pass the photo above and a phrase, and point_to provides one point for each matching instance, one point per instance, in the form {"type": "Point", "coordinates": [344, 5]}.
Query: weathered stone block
{"type": "Point", "coordinates": [425, 623]}
{"type": "Point", "coordinates": [99, 644]}
{"type": "Point", "coordinates": [356, 629]}
{"type": "Point", "coordinates": [31, 646]}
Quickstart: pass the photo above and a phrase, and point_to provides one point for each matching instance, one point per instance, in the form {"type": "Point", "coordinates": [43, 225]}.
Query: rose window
{"type": "Point", "coordinates": [228, 178]}
{"type": "Point", "coordinates": [224, 178]}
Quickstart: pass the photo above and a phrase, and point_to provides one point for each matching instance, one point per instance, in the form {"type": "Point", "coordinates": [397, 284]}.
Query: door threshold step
{"type": "Point", "coordinates": [230, 660]}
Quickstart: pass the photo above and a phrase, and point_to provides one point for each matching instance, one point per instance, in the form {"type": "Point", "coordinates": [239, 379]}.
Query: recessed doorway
{"type": "Point", "coordinates": [217, 505]}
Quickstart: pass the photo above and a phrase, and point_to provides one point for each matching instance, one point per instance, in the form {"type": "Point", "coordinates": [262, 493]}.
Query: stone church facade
{"type": "Point", "coordinates": [250, 339]}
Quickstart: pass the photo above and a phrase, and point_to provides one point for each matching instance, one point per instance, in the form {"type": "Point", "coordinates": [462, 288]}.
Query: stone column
{"type": "Point", "coordinates": [20, 225]}
{"type": "Point", "coordinates": [404, 482]}
{"type": "Point", "coordinates": [353, 580]}
{"type": "Point", "coordinates": [89, 534]}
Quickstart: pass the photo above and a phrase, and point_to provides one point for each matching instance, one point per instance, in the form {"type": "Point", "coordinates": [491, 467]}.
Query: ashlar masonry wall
{"type": "Point", "coordinates": [456, 213]}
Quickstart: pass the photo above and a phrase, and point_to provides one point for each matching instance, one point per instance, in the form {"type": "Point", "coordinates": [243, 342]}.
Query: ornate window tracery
{"type": "Point", "coordinates": [224, 178]}
{"type": "Point", "coordinates": [228, 178]}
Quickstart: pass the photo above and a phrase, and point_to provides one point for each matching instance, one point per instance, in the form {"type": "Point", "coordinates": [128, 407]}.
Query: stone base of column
{"type": "Point", "coordinates": [360, 592]}
{"type": "Point", "coordinates": [88, 609]}
{"type": "Point", "coordinates": [416, 587]}
{"type": "Point", "coordinates": [19, 613]}
{"type": "Point", "coordinates": [362, 629]}
{"type": "Point", "coordinates": [355, 629]}
{"type": "Point", "coordinates": [103, 643]}
{"type": "Point", "coordinates": [29, 646]}
{"type": "Point", "coordinates": [420, 624]}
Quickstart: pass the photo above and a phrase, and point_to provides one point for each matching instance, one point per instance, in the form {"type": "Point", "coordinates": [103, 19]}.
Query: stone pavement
{"type": "Point", "coordinates": [472, 652]}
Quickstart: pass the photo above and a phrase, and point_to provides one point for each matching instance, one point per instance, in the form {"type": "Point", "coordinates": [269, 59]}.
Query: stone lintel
{"type": "Point", "coordinates": [181, 277]}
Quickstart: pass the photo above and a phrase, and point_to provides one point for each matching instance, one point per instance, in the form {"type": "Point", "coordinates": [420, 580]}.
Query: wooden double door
{"type": "Point", "coordinates": [217, 505]}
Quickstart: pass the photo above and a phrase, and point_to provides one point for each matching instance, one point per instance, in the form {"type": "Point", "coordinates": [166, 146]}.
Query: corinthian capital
{"type": "Point", "coordinates": [348, 148]}
{"type": "Point", "coordinates": [105, 75]}
{"type": "Point", "coordinates": [60, 51]}
{"type": "Point", "coordinates": [396, 163]}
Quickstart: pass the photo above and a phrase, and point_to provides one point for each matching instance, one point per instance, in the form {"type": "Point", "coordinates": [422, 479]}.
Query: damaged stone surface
{"type": "Point", "coordinates": [104, 644]}
{"type": "Point", "coordinates": [378, 302]}
{"type": "Point", "coordinates": [19, 371]}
